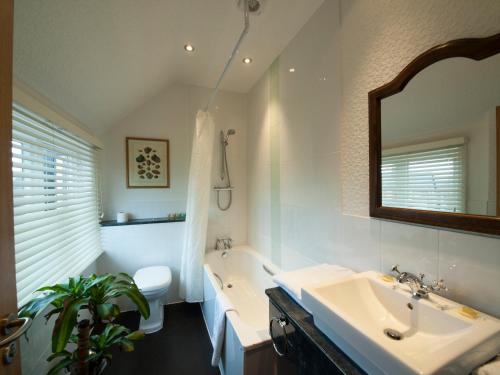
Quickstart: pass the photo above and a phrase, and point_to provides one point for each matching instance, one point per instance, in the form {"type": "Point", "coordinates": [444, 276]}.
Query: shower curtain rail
{"type": "Point", "coordinates": [233, 54]}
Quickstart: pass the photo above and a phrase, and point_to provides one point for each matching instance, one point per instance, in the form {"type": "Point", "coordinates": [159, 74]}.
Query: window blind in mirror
{"type": "Point", "coordinates": [426, 180]}
{"type": "Point", "coordinates": [56, 220]}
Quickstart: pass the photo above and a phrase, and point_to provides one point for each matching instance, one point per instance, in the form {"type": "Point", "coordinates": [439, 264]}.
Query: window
{"type": "Point", "coordinates": [424, 177]}
{"type": "Point", "coordinates": [56, 209]}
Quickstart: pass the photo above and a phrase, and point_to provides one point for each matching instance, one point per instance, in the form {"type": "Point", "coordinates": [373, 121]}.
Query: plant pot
{"type": "Point", "coordinates": [94, 368]}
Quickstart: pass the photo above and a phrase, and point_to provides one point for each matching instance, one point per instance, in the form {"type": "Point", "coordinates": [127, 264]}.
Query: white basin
{"type": "Point", "coordinates": [436, 337]}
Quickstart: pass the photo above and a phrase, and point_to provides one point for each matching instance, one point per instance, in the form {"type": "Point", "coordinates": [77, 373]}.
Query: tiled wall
{"type": "Point", "coordinates": [345, 50]}
{"type": "Point", "coordinates": [130, 247]}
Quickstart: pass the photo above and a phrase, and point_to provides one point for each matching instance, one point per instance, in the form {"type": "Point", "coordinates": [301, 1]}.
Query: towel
{"type": "Point", "coordinates": [294, 281]}
{"type": "Point", "coordinates": [490, 368]}
{"type": "Point", "coordinates": [222, 306]}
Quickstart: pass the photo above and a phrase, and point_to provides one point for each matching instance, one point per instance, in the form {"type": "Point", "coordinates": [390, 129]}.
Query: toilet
{"type": "Point", "coordinates": [153, 283]}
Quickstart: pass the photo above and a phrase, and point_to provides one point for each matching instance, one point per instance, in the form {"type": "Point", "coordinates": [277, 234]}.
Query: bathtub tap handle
{"type": "Point", "coordinates": [223, 243]}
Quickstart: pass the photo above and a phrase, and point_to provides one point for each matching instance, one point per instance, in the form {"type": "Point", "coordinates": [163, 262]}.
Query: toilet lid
{"type": "Point", "coordinates": [153, 278]}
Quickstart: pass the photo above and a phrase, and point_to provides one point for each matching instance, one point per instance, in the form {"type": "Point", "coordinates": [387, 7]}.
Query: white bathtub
{"type": "Point", "coordinates": [245, 275]}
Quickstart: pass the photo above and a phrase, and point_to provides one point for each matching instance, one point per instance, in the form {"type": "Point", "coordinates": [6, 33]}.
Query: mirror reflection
{"type": "Point", "coordinates": [440, 139]}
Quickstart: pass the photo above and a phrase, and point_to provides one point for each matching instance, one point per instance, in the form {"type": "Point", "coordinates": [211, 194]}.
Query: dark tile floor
{"type": "Point", "coordinates": [182, 347]}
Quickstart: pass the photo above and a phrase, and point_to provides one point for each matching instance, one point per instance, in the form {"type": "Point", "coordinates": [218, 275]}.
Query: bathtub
{"type": "Point", "coordinates": [243, 275]}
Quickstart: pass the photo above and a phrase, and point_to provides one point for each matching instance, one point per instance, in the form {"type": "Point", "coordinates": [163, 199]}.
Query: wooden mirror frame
{"type": "Point", "coordinates": [476, 49]}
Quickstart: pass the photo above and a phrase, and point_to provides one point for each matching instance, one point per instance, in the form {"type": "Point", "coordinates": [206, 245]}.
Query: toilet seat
{"type": "Point", "coordinates": [150, 279]}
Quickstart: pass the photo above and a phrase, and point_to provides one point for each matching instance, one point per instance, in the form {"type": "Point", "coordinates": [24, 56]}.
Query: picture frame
{"type": "Point", "coordinates": [147, 163]}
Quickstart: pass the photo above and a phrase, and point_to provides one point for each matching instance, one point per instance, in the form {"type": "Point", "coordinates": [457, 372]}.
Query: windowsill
{"type": "Point", "coordinates": [157, 220]}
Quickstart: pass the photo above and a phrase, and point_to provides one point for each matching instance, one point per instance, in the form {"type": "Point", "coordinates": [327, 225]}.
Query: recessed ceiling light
{"type": "Point", "coordinates": [189, 48]}
{"type": "Point", "coordinates": [247, 60]}
{"type": "Point", "coordinates": [291, 70]}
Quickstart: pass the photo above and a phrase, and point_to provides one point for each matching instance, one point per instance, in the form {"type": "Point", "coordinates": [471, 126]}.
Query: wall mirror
{"type": "Point", "coordinates": [435, 139]}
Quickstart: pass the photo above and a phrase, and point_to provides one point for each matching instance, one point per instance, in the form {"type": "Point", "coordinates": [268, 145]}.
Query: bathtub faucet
{"type": "Point", "coordinates": [223, 243]}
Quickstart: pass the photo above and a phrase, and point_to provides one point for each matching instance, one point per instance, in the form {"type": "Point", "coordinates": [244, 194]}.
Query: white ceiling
{"type": "Point", "coordinates": [99, 60]}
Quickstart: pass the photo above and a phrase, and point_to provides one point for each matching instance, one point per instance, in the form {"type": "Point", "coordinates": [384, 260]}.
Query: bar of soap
{"type": "Point", "coordinates": [387, 278]}
{"type": "Point", "coordinates": [468, 312]}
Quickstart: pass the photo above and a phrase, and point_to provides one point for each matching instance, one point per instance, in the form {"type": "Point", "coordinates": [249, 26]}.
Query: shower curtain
{"type": "Point", "coordinates": [198, 199]}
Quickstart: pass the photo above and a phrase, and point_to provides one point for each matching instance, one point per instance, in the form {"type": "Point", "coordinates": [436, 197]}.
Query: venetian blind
{"type": "Point", "coordinates": [56, 219]}
{"type": "Point", "coordinates": [427, 180]}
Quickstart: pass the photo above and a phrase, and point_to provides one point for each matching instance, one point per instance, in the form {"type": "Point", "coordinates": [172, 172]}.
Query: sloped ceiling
{"type": "Point", "coordinates": [99, 60]}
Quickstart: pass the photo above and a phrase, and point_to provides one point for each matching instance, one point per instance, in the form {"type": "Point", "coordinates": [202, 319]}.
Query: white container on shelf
{"type": "Point", "coordinates": [121, 217]}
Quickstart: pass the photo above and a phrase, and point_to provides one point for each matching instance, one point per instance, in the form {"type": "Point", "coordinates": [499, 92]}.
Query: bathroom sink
{"type": "Point", "coordinates": [386, 331]}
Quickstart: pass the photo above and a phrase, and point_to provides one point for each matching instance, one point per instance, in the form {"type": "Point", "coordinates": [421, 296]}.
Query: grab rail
{"type": "Point", "coordinates": [219, 280]}
{"type": "Point", "coordinates": [268, 271]}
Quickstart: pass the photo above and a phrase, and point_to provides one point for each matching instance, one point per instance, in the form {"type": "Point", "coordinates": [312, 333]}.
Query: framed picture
{"type": "Point", "coordinates": [148, 164]}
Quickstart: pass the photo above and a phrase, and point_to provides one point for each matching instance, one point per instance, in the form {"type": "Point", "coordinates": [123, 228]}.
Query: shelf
{"type": "Point", "coordinates": [157, 220]}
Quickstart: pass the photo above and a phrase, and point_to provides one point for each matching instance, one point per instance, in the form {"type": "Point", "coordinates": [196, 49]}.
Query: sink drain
{"type": "Point", "coordinates": [393, 334]}
{"type": "Point", "coordinates": [229, 285]}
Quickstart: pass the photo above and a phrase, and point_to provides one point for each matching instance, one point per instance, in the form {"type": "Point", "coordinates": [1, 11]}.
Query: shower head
{"type": "Point", "coordinates": [254, 6]}
{"type": "Point", "coordinates": [225, 136]}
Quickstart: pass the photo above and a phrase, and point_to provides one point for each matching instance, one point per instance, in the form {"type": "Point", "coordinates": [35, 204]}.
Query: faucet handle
{"type": "Point", "coordinates": [220, 244]}
{"type": "Point", "coordinates": [436, 286]}
{"type": "Point", "coordinates": [228, 243]}
{"type": "Point", "coordinates": [396, 269]}
{"type": "Point", "coordinates": [439, 285]}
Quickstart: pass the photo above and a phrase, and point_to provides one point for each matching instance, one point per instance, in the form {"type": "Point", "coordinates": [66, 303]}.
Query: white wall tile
{"type": "Point", "coordinates": [130, 247]}
{"type": "Point", "coordinates": [470, 267]}
{"type": "Point", "coordinates": [359, 245]}
{"type": "Point", "coordinates": [413, 248]}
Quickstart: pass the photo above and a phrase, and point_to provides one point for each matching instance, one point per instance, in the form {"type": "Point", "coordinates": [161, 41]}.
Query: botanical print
{"type": "Point", "coordinates": [148, 163]}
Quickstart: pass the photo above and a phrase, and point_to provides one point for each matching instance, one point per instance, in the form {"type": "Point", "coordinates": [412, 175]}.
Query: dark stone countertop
{"type": "Point", "coordinates": [158, 220]}
{"type": "Point", "coordinates": [304, 322]}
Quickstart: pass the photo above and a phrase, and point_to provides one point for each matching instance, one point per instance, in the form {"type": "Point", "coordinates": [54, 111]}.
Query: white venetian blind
{"type": "Point", "coordinates": [56, 219]}
{"type": "Point", "coordinates": [430, 179]}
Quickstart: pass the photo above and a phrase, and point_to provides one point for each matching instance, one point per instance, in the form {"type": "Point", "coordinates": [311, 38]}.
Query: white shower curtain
{"type": "Point", "coordinates": [198, 200]}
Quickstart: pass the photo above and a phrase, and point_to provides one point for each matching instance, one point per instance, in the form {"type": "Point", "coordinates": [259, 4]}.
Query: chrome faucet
{"type": "Point", "coordinates": [418, 288]}
{"type": "Point", "coordinates": [223, 243]}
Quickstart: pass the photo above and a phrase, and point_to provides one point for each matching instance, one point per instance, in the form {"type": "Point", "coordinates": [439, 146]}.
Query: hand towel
{"type": "Point", "coordinates": [294, 281]}
{"type": "Point", "coordinates": [222, 306]}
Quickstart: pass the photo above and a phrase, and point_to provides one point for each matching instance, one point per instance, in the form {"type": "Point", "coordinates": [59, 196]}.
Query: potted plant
{"type": "Point", "coordinates": [80, 341]}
